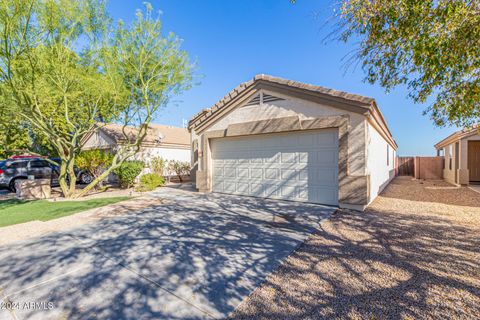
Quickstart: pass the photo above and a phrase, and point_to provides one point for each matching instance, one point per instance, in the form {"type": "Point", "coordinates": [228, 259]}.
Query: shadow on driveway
{"type": "Point", "coordinates": [196, 256]}
{"type": "Point", "coordinates": [385, 263]}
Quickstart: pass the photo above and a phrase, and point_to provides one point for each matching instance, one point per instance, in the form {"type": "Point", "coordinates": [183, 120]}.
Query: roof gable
{"type": "Point", "coordinates": [248, 91]}
{"type": "Point", "coordinates": [458, 135]}
{"type": "Point", "coordinates": [157, 134]}
{"type": "Point", "coordinates": [335, 98]}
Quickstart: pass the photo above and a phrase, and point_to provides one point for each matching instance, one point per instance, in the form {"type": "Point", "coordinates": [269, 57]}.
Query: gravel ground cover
{"type": "Point", "coordinates": [414, 254]}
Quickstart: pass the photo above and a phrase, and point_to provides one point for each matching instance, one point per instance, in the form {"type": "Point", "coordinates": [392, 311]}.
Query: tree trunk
{"type": "Point", "coordinates": [98, 179]}
{"type": "Point", "coordinates": [62, 179]}
{"type": "Point", "coordinates": [72, 176]}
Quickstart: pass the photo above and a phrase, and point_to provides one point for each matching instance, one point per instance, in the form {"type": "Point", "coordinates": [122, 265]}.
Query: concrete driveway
{"type": "Point", "coordinates": [196, 256]}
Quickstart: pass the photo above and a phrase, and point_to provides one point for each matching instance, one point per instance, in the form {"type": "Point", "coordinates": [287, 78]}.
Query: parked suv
{"type": "Point", "coordinates": [83, 177]}
{"type": "Point", "coordinates": [12, 170]}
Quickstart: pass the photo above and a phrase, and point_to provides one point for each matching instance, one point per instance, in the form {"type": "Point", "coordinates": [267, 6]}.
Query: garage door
{"type": "Point", "coordinates": [300, 166]}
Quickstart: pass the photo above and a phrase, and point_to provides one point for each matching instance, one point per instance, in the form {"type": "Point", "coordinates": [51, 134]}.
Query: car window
{"type": "Point", "coordinates": [2, 164]}
{"type": "Point", "coordinates": [57, 160]}
{"type": "Point", "coordinates": [17, 165]}
{"type": "Point", "coordinates": [39, 164]}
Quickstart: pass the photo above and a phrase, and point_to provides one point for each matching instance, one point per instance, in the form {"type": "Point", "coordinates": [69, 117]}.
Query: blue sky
{"type": "Point", "coordinates": [232, 41]}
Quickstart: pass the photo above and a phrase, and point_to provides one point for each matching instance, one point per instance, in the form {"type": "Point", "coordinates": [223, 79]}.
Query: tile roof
{"type": "Point", "coordinates": [206, 113]}
{"type": "Point", "coordinates": [156, 134]}
{"type": "Point", "coordinates": [457, 135]}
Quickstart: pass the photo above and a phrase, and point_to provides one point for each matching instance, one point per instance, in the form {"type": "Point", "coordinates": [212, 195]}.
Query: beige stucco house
{"type": "Point", "coordinates": [462, 156]}
{"type": "Point", "coordinates": [281, 139]}
{"type": "Point", "coordinates": [168, 142]}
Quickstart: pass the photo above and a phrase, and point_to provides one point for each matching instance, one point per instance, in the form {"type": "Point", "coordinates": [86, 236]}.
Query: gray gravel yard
{"type": "Point", "coordinates": [414, 254]}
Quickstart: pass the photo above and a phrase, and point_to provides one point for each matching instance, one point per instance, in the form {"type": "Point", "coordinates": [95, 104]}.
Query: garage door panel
{"type": "Point", "coordinates": [271, 159]}
{"type": "Point", "coordinates": [325, 157]}
{"type": "Point", "coordinates": [272, 174]}
{"type": "Point", "coordinates": [299, 166]}
{"type": "Point", "coordinates": [229, 172]}
{"type": "Point", "coordinates": [289, 174]}
{"type": "Point", "coordinates": [288, 157]}
{"type": "Point", "coordinates": [288, 192]}
{"type": "Point", "coordinates": [243, 173]}
{"type": "Point", "coordinates": [326, 140]}
{"type": "Point", "coordinates": [256, 160]}
{"type": "Point", "coordinates": [307, 140]}
{"type": "Point", "coordinates": [302, 193]}
{"type": "Point", "coordinates": [230, 162]}
{"type": "Point", "coordinates": [271, 190]}
{"type": "Point", "coordinates": [218, 185]}
{"type": "Point", "coordinates": [257, 189]}
{"type": "Point", "coordinates": [303, 157]}
{"type": "Point", "coordinates": [303, 175]}
{"type": "Point", "coordinates": [321, 176]}
{"type": "Point", "coordinates": [256, 173]}
{"type": "Point", "coordinates": [218, 171]}
{"type": "Point", "coordinates": [229, 187]}
{"type": "Point", "coordinates": [323, 195]}
{"type": "Point", "coordinates": [243, 187]}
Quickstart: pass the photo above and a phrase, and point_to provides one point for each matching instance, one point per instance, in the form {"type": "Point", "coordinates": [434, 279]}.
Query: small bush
{"type": "Point", "coordinates": [150, 181]}
{"type": "Point", "coordinates": [127, 172]}
{"type": "Point", "coordinates": [94, 162]}
{"type": "Point", "coordinates": [158, 165]}
{"type": "Point", "coordinates": [180, 168]}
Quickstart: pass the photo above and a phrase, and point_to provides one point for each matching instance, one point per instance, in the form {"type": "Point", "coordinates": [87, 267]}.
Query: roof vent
{"type": "Point", "coordinates": [266, 98]}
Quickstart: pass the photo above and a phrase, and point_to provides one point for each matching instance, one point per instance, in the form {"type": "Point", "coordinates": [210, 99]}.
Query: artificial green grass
{"type": "Point", "coordinates": [15, 211]}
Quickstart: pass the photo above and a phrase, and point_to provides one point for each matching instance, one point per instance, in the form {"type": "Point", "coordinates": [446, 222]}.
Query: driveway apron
{"type": "Point", "coordinates": [197, 256]}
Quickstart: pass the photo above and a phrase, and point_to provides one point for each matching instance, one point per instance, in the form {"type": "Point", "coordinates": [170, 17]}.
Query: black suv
{"type": "Point", "coordinates": [15, 169]}
{"type": "Point", "coordinates": [83, 177]}
{"type": "Point", "coordinates": [20, 168]}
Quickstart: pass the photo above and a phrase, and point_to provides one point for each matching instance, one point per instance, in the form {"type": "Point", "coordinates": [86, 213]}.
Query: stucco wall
{"type": "Point", "coordinates": [381, 172]}
{"type": "Point", "coordinates": [304, 110]}
{"type": "Point", "coordinates": [98, 140]}
{"type": "Point", "coordinates": [462, 172]}
{"type": "Point", "coordinates": [294, 114]}
{"type": "Point", "coordinates": [146, 154]}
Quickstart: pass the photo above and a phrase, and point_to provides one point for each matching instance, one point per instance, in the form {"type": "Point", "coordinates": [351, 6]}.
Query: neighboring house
{"type": "Point", "coordinates": [282, 139]}
{"type": "Point", "coordinates": [170, 143]}
{"type": "Point", "coordinates": [462, 156]}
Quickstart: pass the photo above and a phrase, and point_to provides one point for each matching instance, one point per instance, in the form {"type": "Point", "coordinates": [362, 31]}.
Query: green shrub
{"type": "Point", "coordinates": [180, 168]}
{"type": "Point", "coordinates": [127, 173]}
{"type": "Point", "coordinates": [94, 162]}
{"type": "Point", "coordinates": [150, 181]}
{"type": "Point", "coordinates": [158, 165]}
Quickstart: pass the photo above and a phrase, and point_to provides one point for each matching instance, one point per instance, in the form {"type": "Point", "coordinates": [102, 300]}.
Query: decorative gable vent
{"type": "Point", "coordinates": [266, 98]}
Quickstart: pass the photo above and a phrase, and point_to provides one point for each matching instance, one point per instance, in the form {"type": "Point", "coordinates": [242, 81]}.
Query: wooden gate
{"type": "Point", "coordinates": [405, 166]}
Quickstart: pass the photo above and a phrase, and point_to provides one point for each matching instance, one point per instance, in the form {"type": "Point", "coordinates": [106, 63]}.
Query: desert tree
{"type": "Point", "coordinates": [430, 46]}
{"type": "Point", "coordinates": [152, 68]}
{"type": "Point", "coordinates": [68, 68]}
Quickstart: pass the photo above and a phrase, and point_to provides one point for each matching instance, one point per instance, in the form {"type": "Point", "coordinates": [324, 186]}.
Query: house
{"type": "Point", "coordinates": [170, 143]}
{"type": "Point", "coordinates": [462, 156]}
{"type": "Point", "coordinates": [276, 138]}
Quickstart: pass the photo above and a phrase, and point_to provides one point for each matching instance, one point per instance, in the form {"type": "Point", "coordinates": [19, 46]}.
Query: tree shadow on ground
{"type": "Point", "coordinates": [376, 265]}
{"type": "Point", "coordinates": [434, 191]}
{"type": "Point", "coordinates": [192, 257]}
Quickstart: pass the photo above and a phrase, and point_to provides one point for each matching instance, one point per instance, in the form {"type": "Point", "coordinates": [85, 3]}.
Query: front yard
{"type": "Point", "coordinates": [14, 211]}
{"type": "Point", "coordinates": [413, 254]}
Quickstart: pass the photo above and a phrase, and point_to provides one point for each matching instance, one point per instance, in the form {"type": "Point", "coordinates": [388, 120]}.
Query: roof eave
{"type": "Point", "coordinates": [456, 136]}
{"type": "Point", "coordinates": [359, 106]}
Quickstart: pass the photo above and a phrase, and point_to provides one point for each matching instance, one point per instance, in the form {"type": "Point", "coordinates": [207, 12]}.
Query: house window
{"type": "Point", "coordinates": [388, 155]}
{"type": "Point", "coordinates": [445, 158]}
{"type": "Point", "coordinates": [450, 157]}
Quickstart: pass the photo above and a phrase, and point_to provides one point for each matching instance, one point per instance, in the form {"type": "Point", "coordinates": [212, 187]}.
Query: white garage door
{"type": "Point", "coordinates": [299, 166]}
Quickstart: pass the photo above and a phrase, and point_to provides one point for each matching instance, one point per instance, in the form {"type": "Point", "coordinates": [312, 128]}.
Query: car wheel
{"type": "Point", "coordinates": [11, 185]}
{"type": "Point", "coordinates": [86, 178]}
